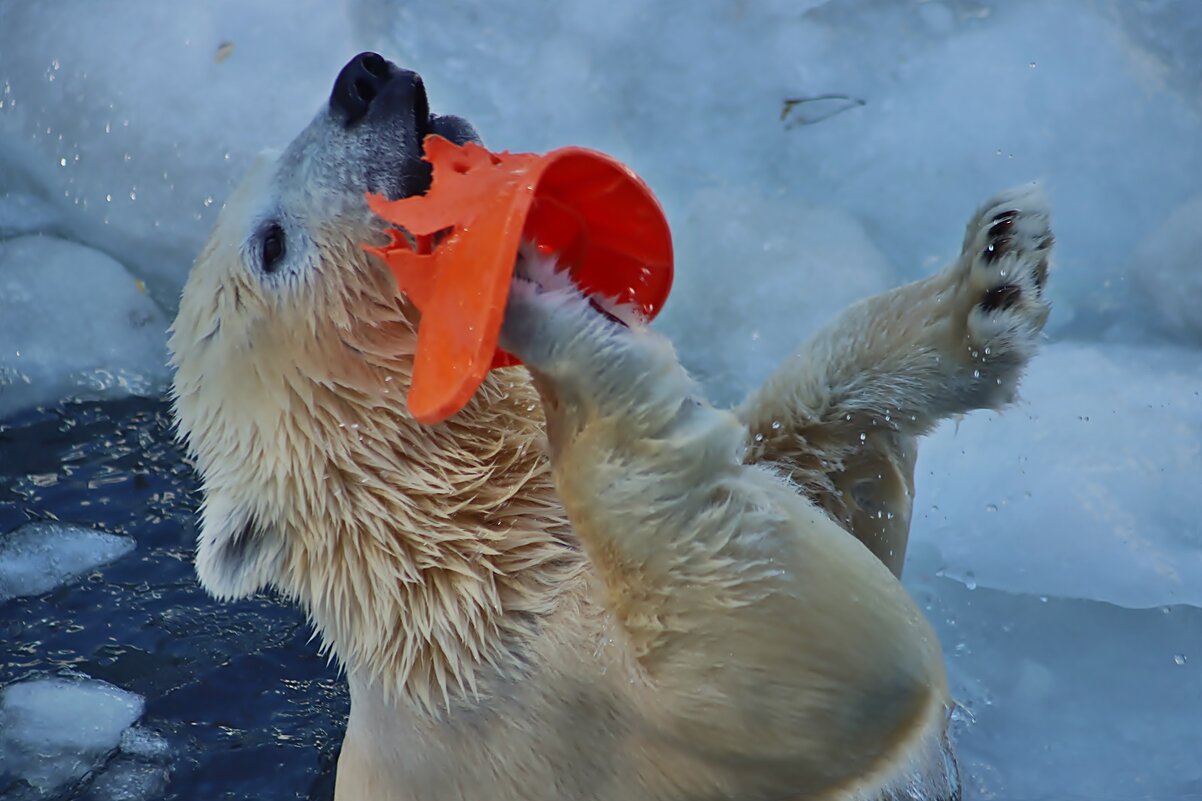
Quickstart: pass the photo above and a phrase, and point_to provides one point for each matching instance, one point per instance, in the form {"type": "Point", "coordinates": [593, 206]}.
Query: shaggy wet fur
{"type": "Point", "coordinates": [676, 612]}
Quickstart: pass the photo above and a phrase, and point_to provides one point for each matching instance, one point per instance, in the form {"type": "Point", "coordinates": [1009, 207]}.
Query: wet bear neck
{"type": "Point", "coordinates": [429, 554]}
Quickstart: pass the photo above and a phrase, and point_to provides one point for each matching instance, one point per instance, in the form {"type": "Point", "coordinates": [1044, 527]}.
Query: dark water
{"type": "Point", "coordinates": [249, 708]}
{"type": "Point", "coordinates": [1061, 693]}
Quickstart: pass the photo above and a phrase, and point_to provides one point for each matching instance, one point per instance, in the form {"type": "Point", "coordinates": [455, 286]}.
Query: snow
{"type": "Point", "coordinates": [132, 120]}
{"type": "Point", "coordinates": [766, 319]}
{"type": "Point", "coordinates": [39, 557]}
{"type": "Point", "coordinates": [959, 99]}
{"type": "Point", "coordinates": [1047, 540]}
{"type": "Point", "coordinates": [55, 730]}
{"type": "Point", "coordinates": [74, 322]}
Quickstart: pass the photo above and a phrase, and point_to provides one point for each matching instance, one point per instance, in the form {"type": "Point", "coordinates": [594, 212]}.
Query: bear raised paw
{"type": "Point", "coordinates": [591, 585]}
{"type": "Point", "coordinates": [843, 414]}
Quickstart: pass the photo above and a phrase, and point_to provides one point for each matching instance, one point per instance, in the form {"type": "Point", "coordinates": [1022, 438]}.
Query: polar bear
{"type": "Point", "coordinates": [590, 584]}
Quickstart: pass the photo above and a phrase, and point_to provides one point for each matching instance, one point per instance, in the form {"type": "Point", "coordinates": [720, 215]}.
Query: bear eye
{"type": "Point", "coordinates": [272, 247]}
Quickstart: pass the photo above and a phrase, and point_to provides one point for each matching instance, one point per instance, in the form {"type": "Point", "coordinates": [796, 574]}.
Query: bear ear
{"type": "Point", "coordinates": [235, 554]}
{"type": "Point", "coordinates": [456, 129]}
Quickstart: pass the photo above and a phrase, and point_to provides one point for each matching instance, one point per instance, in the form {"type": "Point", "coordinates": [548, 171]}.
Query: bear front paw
{"type": "Point", "coordinates": [1006, 255]}
{"type": "Point", "coordinates": [1004, 270]}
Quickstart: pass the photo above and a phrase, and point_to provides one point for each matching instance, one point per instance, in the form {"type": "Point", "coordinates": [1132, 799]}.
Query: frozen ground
{"type": "Point", "coordinates": [1048, 541]}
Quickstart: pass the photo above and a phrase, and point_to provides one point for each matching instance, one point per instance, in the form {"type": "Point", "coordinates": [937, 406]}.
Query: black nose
{"type": "Point", "coordinates": [365, 78]}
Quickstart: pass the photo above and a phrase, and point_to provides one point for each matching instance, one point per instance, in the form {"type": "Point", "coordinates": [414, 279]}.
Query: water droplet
{"type": "Point", "coordinates": [863, 437]}
{"type": "Point", "coordinates": [976, 373]}
{"type": "Point", "coordinates": [759, 437]}
{"type": "Point", "coordinates": [970, 580]}
{"type": "Point", "coordinates": [1031, 65]}
{"type": "Point", "coordinates": [991, 507]}
{"type": "Point", "coordinates": [208, 201]}
{"type": "Point", "coordinates": [1180, 659]}
{"type": "Point", "coordinates": [776, 425]}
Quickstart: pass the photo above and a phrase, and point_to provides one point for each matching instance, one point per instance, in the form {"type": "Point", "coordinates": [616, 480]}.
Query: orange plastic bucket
{"type": "Point", "coordinates": [599, 218]}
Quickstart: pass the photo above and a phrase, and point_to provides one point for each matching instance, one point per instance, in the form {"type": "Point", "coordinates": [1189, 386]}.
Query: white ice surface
{"type": "Point", "coordinates": [74, 322]}
{"type": "Point", "coordinates": [131, 119]}
{"type": "Point", "coordinates": [1167, 270]}
{"type": "Point", "coordinates": [1098, 100]}
{"type": "Point", "coordinates": [1067, 700]}
{"type": "Point", "coordinates": [55, 730]}
{"type": "Point", "coordinates": [128, 780]}
{"type": "Point", "coordinates": [38, 557]}
{"type": "Point", "coordinates": [943, 103]}
{"type": "Point", "coordinates": [1089, 488]}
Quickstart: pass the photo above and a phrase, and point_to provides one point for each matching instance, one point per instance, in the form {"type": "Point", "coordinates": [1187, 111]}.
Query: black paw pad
{"type": "Point", "coordinates": [1002, 223]}
{"type": "Point", "coordinates": [607, 314]}
{"type": "Point", "coordinates": [1001, 297]}
{"type": "Point", "coordinates": [999, 235]}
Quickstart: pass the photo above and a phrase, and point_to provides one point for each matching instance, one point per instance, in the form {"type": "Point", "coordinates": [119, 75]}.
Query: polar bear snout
{"type": "Point", "coordinates": [370, 81]}
{"type": "Point", "coordinates": [377, 119]}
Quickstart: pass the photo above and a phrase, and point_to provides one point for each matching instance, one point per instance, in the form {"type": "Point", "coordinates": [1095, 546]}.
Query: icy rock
{"type": "Point", "coordinates": [137, 138]}
{"type": "Point", "coordinates": [38, 557]}
{"type": "Point", "coordinates": [1087, 489]}
{"type": "Point", "coordinates": [74, 322]}
{"type": "Point", "coordinates": [127, 780]}
{"type": "Point", "coordinates": [55, 730]}
{"type": "Point", "coordinates": [1067, 699]}
{"type": "Point", "coordinates": [145, 743]}
{"type": "Point", "coordinates": [1167, 269]}
{"type": "Point", "coordinates": [26, 213]}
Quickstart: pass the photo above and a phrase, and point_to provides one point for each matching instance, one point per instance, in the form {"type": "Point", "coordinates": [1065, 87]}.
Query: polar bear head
{"type": "Point", "coordinates": [288, 331]}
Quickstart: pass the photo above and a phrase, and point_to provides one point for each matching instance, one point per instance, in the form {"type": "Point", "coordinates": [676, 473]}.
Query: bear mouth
{"type": "Point", "coordinates": [387, 104]}
{"type": "Point", "coordinates": [412, 174]}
